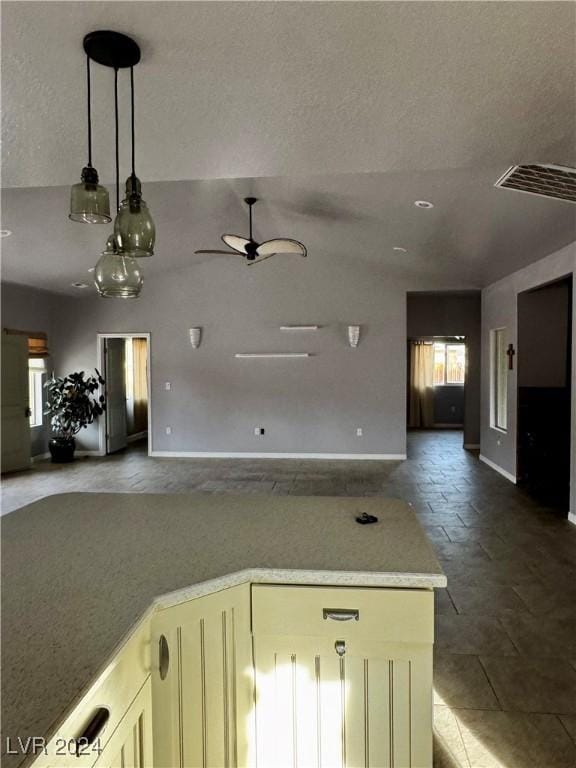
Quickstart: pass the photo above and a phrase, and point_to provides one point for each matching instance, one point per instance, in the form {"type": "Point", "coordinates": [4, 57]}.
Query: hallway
{"type": "Point", "coordinates": [505, 670]}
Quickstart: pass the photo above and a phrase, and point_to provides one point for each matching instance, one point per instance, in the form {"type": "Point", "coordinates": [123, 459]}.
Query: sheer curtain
{"type": "Point", "coordinates": [140, 351]}
{"type": "Point", "coordinates": [421, 403]}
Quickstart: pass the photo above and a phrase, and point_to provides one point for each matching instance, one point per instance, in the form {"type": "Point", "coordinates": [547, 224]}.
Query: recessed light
{"type": "Point", "coordinates": [80, 285]}
{"type": "Point", "coordinates": [399, 249]}
{"type": "Point", "coordinates": [423, 204]}
{"type": "Point", "coordinates": [5, 232]}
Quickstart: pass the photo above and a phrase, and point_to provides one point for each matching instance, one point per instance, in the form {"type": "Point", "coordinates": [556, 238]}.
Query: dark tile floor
{"type": "Point", "coordinates": [505, 675]}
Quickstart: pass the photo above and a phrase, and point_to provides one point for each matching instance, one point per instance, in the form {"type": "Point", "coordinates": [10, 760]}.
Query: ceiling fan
{"type": "Point", "coordinates": [255, 252]}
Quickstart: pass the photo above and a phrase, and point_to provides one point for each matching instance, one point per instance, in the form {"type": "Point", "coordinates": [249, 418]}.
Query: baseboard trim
{"type": "Point", "coordinates": [137, 436]}
{"type": "Point", "coordinates": [496, 468]}
{"type": "Point", "coordinates": [41, 456]}
{"type": "Point", "coordinates": [472, 446]}
{"type": "Point", "coordinates": [80, 454]}
{"type": "Point", "coordinates": [572, 517]}
{"type": "Point", "coordinates": [247, 455]}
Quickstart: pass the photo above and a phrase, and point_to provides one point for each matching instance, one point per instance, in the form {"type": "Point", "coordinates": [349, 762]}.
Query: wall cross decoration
{"type": "Point", "coordinates": [510, 352]}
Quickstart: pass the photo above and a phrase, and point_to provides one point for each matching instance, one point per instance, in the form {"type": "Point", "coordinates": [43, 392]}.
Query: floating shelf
{"type": "Point", "coordinates": [245, 355]}
{"type": "Point", "coordinates": [299, 327]}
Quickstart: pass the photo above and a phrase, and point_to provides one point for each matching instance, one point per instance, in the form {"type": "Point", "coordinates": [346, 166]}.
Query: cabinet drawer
{"type": "Point", "coordinates": [114, 690]}
{"type": "Point", "coordinates": [385, 615]}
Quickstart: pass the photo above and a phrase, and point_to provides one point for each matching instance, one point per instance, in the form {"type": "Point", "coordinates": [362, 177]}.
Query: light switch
{"type": "Point", "coordinates": [168, 386]}
{"type": "Point", "coordinates": [168, 430]}
{"type": "Point", "coordinates": [359, 432]}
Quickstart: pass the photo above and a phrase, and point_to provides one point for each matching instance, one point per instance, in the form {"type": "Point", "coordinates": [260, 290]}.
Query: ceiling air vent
{"type": "Point", "coordinates": [554, 181]}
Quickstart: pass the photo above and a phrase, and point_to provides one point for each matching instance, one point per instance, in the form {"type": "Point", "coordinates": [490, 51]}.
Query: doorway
{"type": "Point", "coordinates": [125, 366]}
{"type": "Point", "coordinates": [544, 392]}
{"type": "Point", "coordinates": [436, 383]}
{"type": "Point", "coordinates": [447, 323]}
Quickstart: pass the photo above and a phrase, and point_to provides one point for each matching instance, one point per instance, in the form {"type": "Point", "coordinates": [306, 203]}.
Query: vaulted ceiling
{"type": "Point", "coordinates": [341, 114]}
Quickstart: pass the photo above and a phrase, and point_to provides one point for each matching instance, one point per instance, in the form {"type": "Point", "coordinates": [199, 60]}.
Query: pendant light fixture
{"type": "Point", "coordinates": [116, 275]}
{"type": "Point", "coordinates": [89, 201]}
{"type": "Point", "coordinates": [134, 228]}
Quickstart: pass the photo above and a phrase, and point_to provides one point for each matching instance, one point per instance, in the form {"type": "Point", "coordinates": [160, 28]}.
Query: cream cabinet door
{"type": "Point", "coordinates": [203, 682]}
{"type": "Point", "coordinates": [343, 677]}
{"type": "Point", "coordinates": [130, 746]}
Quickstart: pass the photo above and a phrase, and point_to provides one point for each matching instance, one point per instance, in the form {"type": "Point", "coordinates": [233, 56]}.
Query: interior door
{"type": "Point", "coordinates": [115, 375]}
{"type": "Point", "coordinates": [15, 414]}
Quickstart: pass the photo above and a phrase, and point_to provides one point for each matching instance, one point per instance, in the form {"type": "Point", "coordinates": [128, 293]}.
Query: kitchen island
{"type": "Point", "coordinates": [107, 595]}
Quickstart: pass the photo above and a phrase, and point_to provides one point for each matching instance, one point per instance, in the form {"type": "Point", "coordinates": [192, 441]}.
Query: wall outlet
{"type": "Point", "coordinates": [168, 386]}
{"type": "Point", "coordinates": [258, 430]}
{"type": "Point", "coordinates": [359, 432]}
{"type": "Point", "coordinates": [498, 442]}
{"type": "Point", "coordinates": [168, 430]}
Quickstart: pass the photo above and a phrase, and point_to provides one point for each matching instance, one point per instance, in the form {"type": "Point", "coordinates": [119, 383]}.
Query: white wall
{"type": "Point", "coordinates": [499, 310]}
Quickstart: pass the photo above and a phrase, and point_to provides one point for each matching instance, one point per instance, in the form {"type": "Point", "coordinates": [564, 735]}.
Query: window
{"type": "Point", "coordinates": [449, 363]}
{"type": "Point", "coordinates": [498, 380]}
{"type": "Point", "coordinates": [35, 391]}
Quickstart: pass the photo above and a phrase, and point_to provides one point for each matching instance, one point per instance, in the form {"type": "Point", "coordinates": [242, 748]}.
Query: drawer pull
{"type": "Point", "coordinates": [92, 729]}
{"type": "Point", "coordinates": [341, 614]}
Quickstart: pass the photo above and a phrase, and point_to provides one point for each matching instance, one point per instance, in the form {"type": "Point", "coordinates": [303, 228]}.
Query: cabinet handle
{"type": "Point", "coordinates": [92, 729]}
{"type": "Point", "coordinates": [163, 657]}
{"type": "Point", "coordinates": [340, 647]}
{"type": "Point", "coordinates": [341, 614]}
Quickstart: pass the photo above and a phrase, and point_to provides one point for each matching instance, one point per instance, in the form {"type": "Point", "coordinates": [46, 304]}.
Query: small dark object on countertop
{"type": "Point", "coordinates": [366, 519]}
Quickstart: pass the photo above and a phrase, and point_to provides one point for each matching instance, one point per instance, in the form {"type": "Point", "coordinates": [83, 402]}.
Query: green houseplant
{"type": "Point", "coordinates": [73, 404]}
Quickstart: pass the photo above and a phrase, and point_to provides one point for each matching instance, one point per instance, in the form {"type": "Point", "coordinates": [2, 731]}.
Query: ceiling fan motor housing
{"type": "Point", "coordinates": [251, 250]}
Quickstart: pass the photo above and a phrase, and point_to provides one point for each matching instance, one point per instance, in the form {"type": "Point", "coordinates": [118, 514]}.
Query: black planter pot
{"type": "Point", "coordinates": [62, 449]}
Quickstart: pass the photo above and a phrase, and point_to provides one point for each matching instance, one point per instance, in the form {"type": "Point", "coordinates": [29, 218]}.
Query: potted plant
{"type": "Point", "coordinates": [73, 403]}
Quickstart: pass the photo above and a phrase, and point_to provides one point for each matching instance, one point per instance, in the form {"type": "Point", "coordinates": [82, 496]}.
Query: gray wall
{"type": "Point", "coordinates": [449, 404]}
{"type": "Point", "coordinates": [309, 405]}
{"type": "Point", "coordinates": [453, 314]}
{"type": "Point", "coordinates": [28, 309]}
{"type": "Point", "coordinates": [499, 310]}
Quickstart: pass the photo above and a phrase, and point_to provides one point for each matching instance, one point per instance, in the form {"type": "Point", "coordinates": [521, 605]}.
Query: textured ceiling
{"type": "Point", "coordinates": [339, 115]}
{"type": "Point", "coordinates": [247, 89]}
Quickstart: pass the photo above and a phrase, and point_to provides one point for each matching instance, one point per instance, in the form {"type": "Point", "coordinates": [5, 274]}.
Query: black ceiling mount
{"type": "Point", "coordinates": [112, 49]}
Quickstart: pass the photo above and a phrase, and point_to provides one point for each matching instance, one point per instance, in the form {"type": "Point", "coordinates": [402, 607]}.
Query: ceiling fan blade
{"type": "Point", "coordinates": [281, 245]}
{"type": "Point", "coordinates": [226, 253]}
{"type": "Point", "coordinates": [257, 261]}
{"type": "Point", "coordinates": [235, 241]}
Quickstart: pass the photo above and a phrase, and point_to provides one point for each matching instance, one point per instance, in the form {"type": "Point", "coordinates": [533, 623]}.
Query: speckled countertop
{"type": "Point", "coordinates": [79, 570]}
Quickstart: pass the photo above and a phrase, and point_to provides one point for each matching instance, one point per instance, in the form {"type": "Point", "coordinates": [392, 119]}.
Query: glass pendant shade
{"type": "Point", "coordinates": [134, 228]}
{"type": "Point", "coordinates": [116, 275]}
{"type": "Point", "coordinates": [89, 201]}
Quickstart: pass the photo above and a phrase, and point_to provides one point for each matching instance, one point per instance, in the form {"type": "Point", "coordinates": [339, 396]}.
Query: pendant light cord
{"type": "Point", "coordinates": [132, 122]}
{"type": "Point", "coordinates": [117, 140]}
{"type": "Point", "coordinates": [250, 209]}
{"type": "Point", "coordinates": [89, 92]}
